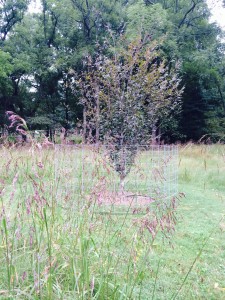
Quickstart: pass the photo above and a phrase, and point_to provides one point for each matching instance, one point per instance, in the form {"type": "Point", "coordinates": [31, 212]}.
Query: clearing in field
{"type": "Point", "coordinates": [95, 172]}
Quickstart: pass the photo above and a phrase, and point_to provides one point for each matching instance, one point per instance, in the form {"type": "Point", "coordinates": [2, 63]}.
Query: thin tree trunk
{"type": "Point", "coordinates": [221, 96]}
{"type": "Point", "coordinates": [84, 126]}
{"type": "Point", "coordinates": [154, 139]}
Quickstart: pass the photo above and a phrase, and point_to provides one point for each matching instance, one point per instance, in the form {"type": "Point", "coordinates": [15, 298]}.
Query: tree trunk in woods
{"type": "Point", "coordinates": [63, 136]}
{"type": "Point", "coordinates": [154, 137]}
{"type": "Point", "coordinates": [84, 126]}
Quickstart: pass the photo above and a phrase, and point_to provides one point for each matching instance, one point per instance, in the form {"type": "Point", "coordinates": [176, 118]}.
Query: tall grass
{"type": "Point", "coordinates": [52, 248]}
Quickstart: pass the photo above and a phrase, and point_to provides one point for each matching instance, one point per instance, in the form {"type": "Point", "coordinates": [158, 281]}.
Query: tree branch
{"type": "Point", "coordinates": [187, 13]}
{"type": "Point", "coordinates": [55, 22]}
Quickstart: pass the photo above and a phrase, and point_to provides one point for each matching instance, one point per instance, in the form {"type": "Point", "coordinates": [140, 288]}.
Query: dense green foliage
{"type": "Point", "coordinates": [40, 52]}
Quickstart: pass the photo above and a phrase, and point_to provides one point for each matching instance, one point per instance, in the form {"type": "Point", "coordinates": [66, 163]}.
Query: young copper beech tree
{"type": "Point", "coordinates": [123, 97]}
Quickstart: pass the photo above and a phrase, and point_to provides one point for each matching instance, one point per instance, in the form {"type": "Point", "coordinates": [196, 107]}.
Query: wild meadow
{"type": "Point", "coordinates": [58, 243]}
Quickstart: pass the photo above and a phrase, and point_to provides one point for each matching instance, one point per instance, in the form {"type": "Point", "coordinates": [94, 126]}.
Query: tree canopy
{"type": "Point", "coordinates": [41, 53]}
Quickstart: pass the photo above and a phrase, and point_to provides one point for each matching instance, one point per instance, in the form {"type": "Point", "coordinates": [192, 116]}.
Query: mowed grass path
{"type": "Point", "coordinates": [85, 256]}
{"type": "Point", "coordinates": [199, 241]}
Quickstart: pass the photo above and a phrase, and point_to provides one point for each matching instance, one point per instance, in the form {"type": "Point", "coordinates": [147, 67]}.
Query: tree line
{"type": "Point", "coordinates": [44, 56]}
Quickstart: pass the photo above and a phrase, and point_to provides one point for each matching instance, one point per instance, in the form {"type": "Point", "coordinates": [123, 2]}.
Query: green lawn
{"type": "Point", "coordinates": [201, 213]}
{"type": "Point", "coordinates": [52, 248]}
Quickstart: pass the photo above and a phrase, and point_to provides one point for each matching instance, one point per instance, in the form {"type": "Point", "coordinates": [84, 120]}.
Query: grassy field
{"type": "Point", "coordinates": [54, 248]}
{"type": "Point", "coordinates": [199, 241]}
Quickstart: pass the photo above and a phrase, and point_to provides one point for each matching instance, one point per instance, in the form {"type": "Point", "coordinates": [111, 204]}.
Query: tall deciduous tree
{"type": "Point", "coordinates": [95, 16]}
{"type": "Point", "coordinates": [39, 52]}
{"type": "Point", "coordinates": [11, 12]}
{"type": "Point", "coordinates": [187, 35]}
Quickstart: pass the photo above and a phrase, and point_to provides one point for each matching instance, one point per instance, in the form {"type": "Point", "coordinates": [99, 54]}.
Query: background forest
{"type": "Point", "coordinates": [41, 52]}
